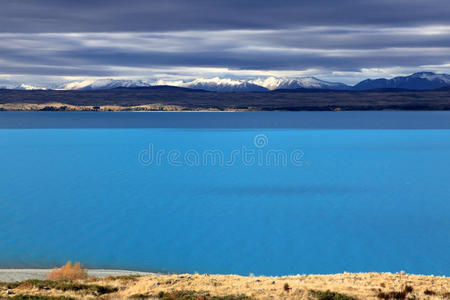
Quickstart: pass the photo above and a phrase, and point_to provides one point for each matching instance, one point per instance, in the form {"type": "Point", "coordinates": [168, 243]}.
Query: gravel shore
{"type": "Point", "coordinates": [11, 275]}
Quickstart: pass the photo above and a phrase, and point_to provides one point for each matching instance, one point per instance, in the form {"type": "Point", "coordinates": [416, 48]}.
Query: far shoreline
{"type": "Point", "coordinates": [22, 274]}
{"type": "Point", "coordinates": [158, 107]}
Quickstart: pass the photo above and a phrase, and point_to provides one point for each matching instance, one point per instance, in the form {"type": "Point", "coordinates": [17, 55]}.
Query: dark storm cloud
{"type": "Point", "coordinates": [143, 37]}
{"type": "Point", "coordinates": [98, 62]}
{"type": "Point", "coordinates": [53, 71]}
{"type": "Point", "coordinates": [169, 15]}
{"type": "Point", "coordinates": [257, 50]}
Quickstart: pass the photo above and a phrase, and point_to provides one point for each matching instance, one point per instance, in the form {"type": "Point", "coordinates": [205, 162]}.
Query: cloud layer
{"type": "Point", "coordinates": [343, 40]}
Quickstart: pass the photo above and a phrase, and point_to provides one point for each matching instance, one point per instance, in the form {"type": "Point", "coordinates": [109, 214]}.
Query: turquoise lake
{"type": "Point", "coordinates": [262, 193]}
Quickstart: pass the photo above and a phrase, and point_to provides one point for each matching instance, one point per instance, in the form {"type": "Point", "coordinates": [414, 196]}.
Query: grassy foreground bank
{"type": "Point", "coordinates": [221, 287]}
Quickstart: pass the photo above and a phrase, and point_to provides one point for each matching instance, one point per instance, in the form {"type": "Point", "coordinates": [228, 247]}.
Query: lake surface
{"type": "Point", "coordinates": [263, 193]}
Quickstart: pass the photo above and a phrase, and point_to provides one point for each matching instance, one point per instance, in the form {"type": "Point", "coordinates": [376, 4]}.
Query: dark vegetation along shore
{"type": "Point", "coordinates": [165, 98]}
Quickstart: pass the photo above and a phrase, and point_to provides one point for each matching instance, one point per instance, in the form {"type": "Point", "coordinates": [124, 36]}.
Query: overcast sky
{"type": "Point", "coordinates": [49, 41]}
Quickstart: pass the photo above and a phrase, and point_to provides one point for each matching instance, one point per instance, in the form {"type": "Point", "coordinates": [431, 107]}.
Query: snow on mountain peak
{"type": "Point", "coordinates": [102, 84]}
{"type": "Point", "coordinates": [273, 83]}
{"type": "Point", "coordinates": [223, 85]}
{"type": "Point", "coordinates": [168, 82]}
{"type": "Point", "coordinates": [432, 76]}
{"type": "Point", "coordinates": [77, 85]}
{"type": "Point", "coordinates": [215, 80]}
{"type": "Point", "coordinates": [270, 83]}
{"type": "Point", "coordinates": [28, 87]}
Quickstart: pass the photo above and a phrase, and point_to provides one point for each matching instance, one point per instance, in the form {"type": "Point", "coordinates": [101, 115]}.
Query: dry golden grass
{"type": "Point", "coordinates": [68, 272]}
{"type": "Point", "coordinates": [375, 286]}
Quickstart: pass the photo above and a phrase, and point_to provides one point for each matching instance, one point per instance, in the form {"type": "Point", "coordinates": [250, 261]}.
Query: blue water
{"type": "Point", "coordinates": [357, 200]}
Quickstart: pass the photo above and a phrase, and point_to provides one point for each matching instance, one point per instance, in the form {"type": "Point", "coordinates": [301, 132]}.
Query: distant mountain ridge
{"type": "Point", "coordinates": [104, 84]}
{"type": "Point", "coordinates": [215, 84]}
{"type": "Point", "coordinates": [224, 85]}
{"type": "Point", "coordinates": [417, 81]}
{"type": "Point", "coordinates": [272, 83]}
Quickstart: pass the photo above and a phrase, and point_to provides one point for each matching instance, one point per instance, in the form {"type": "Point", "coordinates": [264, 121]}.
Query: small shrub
{"type": "Point", "coordinates": [396, 294]}
{"type": "Point", "coordinates": [429, 292]}
{"type": "Point", "coordinates": [391, 295]}
{"type": "Point", "coordinates": [132, 277]}
{"type": "Point", "coordinates": [9, 285]}
{"type": "Point", "coordinates": [286, 287]}
{"type": "Point", "coordinates": [408, 289]}
{"type": "Point", "coordinates": [68, 272]}
{"type": "Point", "coordinates": [328, 295]}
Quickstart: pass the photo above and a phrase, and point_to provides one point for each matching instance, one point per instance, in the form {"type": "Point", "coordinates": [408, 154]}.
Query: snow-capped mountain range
{"type": "Point", "coordinates": [272, 83]}
{"type": "Point", "coordinates": [224, 85]}
{"type": "Point", "coordinates": [417, 81]}
{"type": "Point", "coordinates": [104, 84]}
